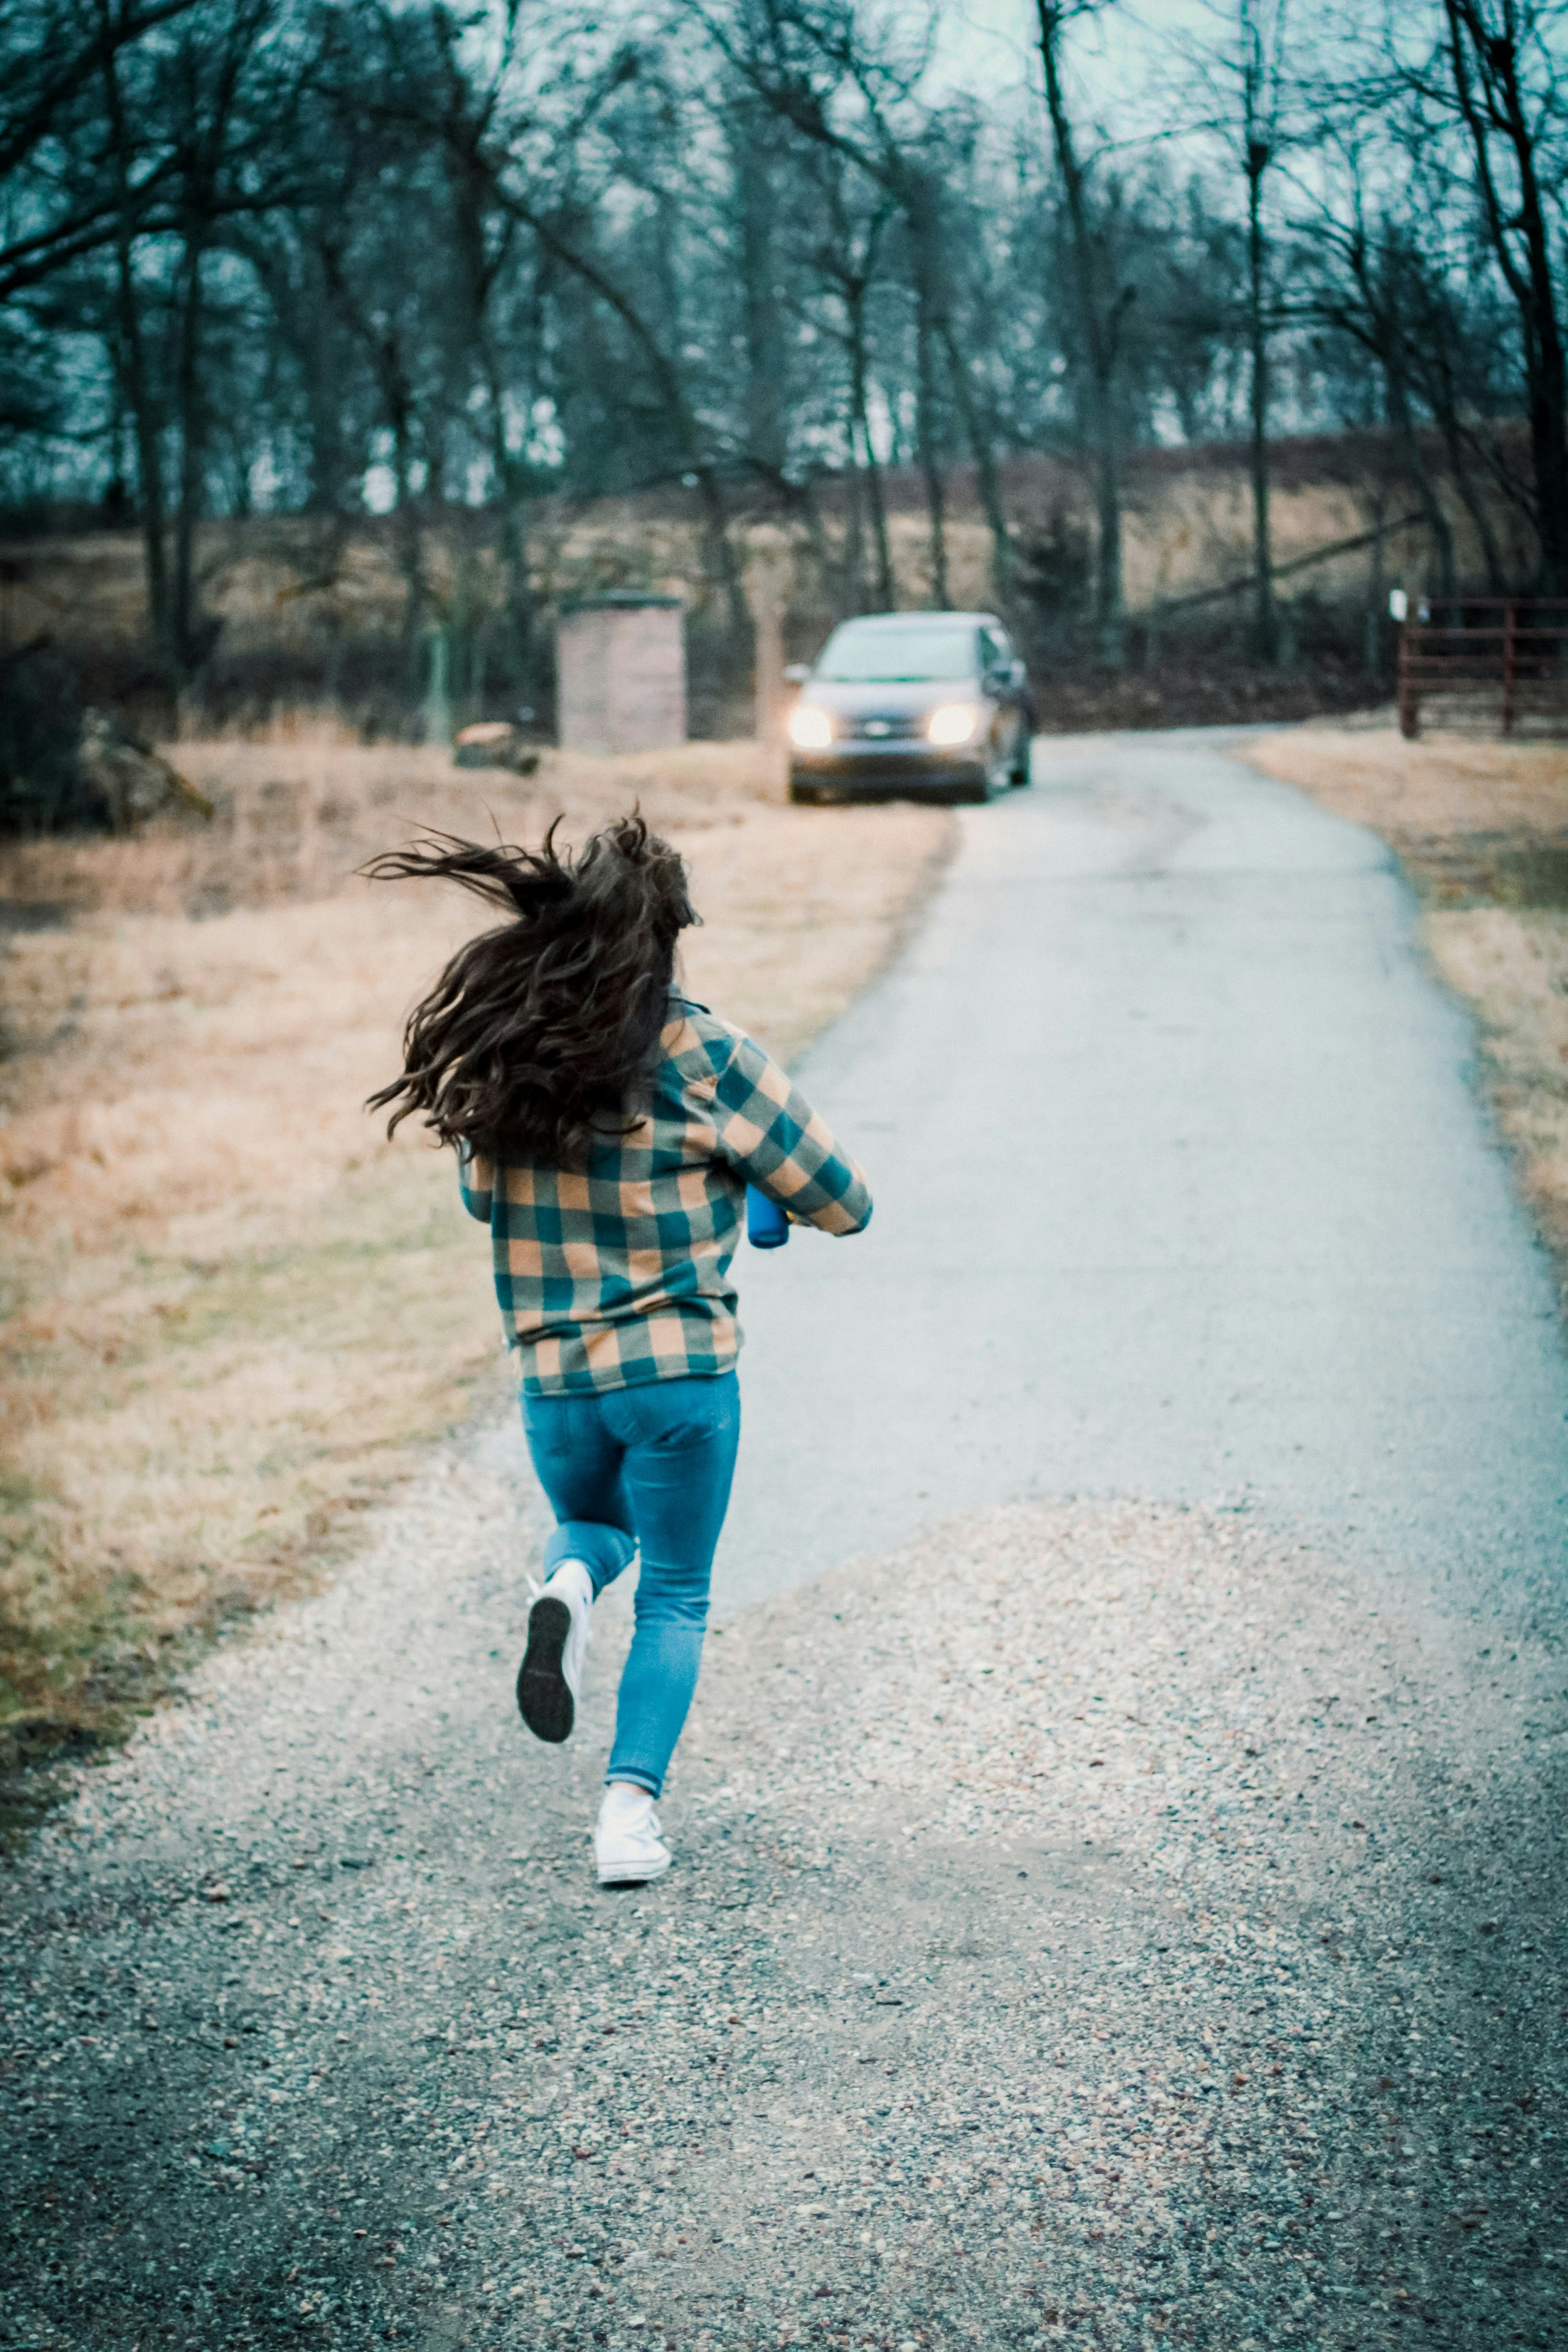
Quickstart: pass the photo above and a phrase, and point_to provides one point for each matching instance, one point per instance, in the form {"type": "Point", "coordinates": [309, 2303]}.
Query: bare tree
{"type": "Point", "coordinates": [218, 138]}
{"type": "Point", "coordinates": [1504, 58]}
{"type": "Point", "coordinates": [283, 254]}
{"type": "Point", "coordinates": [846, 258]}
{"type": "Point", "coordinates": [129, 344]}
{"type": "Point", "coordinates": [556, 237]}
{"type": "Point", "coordinates": [1261, 32]}
{"type": "Point", "coordinates": [1101, 307]}
{"type": "Point", "coordinates": [1364, 295]}
{"type": "Point", "coordinates": [485, 237]}
{"type": "Point", "coordinates": [189, 148]}
{"type": "Point", "coordinates": [53, 62]}
{"type": "Point", "coordinates": [1427, 213]}
{"type": "Point", "coordinates": [1482, 100]}
{"type": "Point", "coordinates": [802, 61]}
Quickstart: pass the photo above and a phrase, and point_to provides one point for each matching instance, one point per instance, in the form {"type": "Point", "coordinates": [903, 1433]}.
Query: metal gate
{"type": "Point", "coordinates": [1497, 664]}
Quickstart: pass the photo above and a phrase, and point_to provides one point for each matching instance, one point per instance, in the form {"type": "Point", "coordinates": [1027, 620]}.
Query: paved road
{"type": "Point", "coordinates": [1181, 1190]}
{"type": "Point", "coordinates": [1115, 1922]}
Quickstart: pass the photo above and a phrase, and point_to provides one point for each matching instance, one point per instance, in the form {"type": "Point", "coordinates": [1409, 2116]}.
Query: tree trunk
{"type": "Point", "coordinates": [410, 547]}
{"type": "Point", "coordinates": [380, 342]}
{"type": "Point", "coordinates": [985, 473]}
{"type": "Point", "coordinates": [300, 294]}
{"type": "Point", "coordinates": [1372, 650]}
{"type": "Point", "coordinates": [719, 556]}
{"type": "Point", "coordinates": [766, 381]}
{"type": "Point", "coordinates": [930, 455]}
{"type": "Point", "coordinates": [1477, 47]}
{"type": "Point", "coordinates": [1473, 499]}
{"type": "Point", "coordinates": [1265, 619]}
{"type": "Point", "coordinates": [886, 585]}
{"type": "Point", "coordinates": [803, 506]}
{"type": "Point", "coordinates": [184, 620]}
{"type": "Point", "coordinates": [520, 611]}
{"type": "Point", "coordinates": [1548, 404]}
{"type": "Point", "coordinates": [1437, 523]}
{"type": "Point", "coordinates": [1108, 590]}
{"type": "Point", "coordinates": [149, 454]}
{"type": "Point", "coordinates": [330, 468]}
{"type": "Point", "coordinates": [851, 598]}
{"type": "Point", "coordinates": [886, 594]}
{"type": "Point", "coordinates": [1378, 330]}
{"type": "Point", "coordinates": [511, 481]}
{"type": "Point", "coordinates": [131, 357]}
{"type": "Point", "coordinates": [1100, 334]}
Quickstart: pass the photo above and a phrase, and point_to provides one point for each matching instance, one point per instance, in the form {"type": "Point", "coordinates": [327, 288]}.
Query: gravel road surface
{"type": "Point", "coordinates": [1123, 1920]}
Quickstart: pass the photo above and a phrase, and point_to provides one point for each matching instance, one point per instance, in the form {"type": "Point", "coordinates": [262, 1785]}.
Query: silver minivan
{"type": "Point", "coordinates": [905, 704]}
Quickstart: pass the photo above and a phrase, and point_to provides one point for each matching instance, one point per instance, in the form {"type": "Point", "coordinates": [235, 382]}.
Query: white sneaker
{"type": "Point", "coordinates": [628, 1843]}
{"type": "Point", "coordinates": [551, 1675]}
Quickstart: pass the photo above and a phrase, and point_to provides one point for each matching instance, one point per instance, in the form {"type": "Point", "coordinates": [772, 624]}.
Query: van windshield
{"type": "Point", "coordinates": [887, 656]}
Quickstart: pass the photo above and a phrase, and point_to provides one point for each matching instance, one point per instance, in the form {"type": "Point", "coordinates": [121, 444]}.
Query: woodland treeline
{"type": "Point", "coordinates": [312, 257]}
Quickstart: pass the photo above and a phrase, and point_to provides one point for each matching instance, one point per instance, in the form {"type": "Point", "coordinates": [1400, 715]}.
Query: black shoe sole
{"type": "Point", "coordinates": [544, 1697]}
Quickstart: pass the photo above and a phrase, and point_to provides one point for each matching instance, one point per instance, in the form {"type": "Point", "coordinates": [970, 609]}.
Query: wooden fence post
{"type": "Point", "coordinates": [1508, 668]}
{"type": "Point", "coordinates": [1409, 699]}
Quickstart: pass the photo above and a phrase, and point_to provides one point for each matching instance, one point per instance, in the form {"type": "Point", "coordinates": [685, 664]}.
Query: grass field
{"type": "Point", "coordinates": [233, 1312]}
{"type": "Point", "coordinates": [1483, 831]}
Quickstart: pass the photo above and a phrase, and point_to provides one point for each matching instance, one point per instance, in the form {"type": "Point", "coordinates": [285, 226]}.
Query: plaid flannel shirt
{"type": "Point", "coordinates": [620, 1273]}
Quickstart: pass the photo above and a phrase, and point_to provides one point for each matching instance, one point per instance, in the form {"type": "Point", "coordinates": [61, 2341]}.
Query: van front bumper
{"type": "Point", "coordinates": [892, 770]}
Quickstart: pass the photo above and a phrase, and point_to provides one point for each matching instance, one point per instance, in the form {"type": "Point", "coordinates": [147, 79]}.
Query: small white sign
{"type": "Point", "coordinates": [1398, 603]}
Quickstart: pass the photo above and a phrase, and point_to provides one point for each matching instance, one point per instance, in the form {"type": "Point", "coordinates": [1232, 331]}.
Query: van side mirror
{"type": "Point", "coordinates": [796, 673]}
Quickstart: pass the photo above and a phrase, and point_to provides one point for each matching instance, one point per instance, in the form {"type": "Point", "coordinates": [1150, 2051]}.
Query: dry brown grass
{"type": "Point", "coordinates": [234, 1311]}
{"type": "Point", "coordinates": [290, 583]}
{"type": "Point", "coordinates": [1420, 795]}
{"type": "Point", "coordinates": [1512, 966]}
{"type": "Point", "coordinates": [1482, 829]}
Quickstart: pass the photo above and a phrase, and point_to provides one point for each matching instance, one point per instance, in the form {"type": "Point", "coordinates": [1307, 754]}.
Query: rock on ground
{"type": "Point", "coordinates": [1095, 1924]}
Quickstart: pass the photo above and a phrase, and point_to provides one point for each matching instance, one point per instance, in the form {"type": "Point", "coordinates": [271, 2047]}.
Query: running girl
{"type": "Point", "coordinates": [607, 1128]}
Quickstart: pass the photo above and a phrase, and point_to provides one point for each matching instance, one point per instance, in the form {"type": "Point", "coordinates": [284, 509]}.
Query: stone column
{"type": "Point", "coordinates": [620, 673]}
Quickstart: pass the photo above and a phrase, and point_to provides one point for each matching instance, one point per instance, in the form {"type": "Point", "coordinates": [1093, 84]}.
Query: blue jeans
{"type": "Point", "coordinates": [643, 1468]}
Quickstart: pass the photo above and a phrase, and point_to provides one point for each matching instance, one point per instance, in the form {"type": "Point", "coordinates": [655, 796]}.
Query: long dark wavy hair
{"type": "Point", "coordinates": [538, 1038]}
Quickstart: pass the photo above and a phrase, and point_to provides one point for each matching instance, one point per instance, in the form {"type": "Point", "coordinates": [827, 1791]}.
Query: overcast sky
{"type": "Point", "coordinates": [1130, 68]}
{"type": "Point", "coordinates": [1116, 55]}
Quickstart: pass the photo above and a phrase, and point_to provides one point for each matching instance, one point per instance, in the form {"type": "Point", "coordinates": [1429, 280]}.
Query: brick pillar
{"type": "Point", "coordinates": [620, 674]}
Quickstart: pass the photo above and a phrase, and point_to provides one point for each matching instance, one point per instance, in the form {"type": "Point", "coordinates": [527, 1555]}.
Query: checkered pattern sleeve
{"type": "Point", "coordinates": [770, 1133]}
{"type": "Point", "coordinates": [476, 1175]}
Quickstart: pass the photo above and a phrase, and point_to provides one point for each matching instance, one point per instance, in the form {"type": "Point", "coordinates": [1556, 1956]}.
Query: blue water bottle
{"type": "Point", "coordinates": [767, 1228]}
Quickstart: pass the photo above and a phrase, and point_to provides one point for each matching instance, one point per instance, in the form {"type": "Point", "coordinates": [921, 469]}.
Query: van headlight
{"type": "Point", "coordinates": [955, 722]}
{"type": "Point", "coordinates": [810, 727]}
